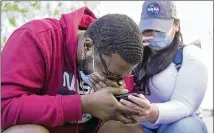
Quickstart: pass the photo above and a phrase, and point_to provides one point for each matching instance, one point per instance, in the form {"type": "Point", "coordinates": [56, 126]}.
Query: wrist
{"type": "Point", "coordinates": [154, 113]}
{"type": "Point", "coordinates": [86, 103]}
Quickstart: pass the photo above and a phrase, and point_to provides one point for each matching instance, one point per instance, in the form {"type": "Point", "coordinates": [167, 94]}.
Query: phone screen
{"type": "Point", "coordinates": [125, 96]}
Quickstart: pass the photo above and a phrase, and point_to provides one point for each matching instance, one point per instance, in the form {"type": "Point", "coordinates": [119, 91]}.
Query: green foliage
{"type": "Point", "coordinates": [56, 12]}
{"type": "Point", "coordinates": [12, 21]}
{"type": "Point", "coordinates": [4, 39]}
{"type": "Point", "coordinates": [35, 5]}
{"type": "Point", "coordinates": [14, 7]}
{"type": "Point", "coordinates": [11, 7]}
{"type": "Point", "coordinates": [16, 12]}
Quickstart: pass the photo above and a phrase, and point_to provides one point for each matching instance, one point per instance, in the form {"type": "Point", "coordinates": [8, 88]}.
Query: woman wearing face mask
{"type": "Point", "coordinates": [170, 93]}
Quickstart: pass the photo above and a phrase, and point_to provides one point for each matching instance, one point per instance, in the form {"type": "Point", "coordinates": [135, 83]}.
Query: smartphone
{"type": "Point", "coordinates": [125, 96]}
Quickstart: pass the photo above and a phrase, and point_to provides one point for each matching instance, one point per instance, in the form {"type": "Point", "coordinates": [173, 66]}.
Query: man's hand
{"type": "Point", "coordinates": [103, 105]}
{"type": "Point", "coordinates": [99, 82]}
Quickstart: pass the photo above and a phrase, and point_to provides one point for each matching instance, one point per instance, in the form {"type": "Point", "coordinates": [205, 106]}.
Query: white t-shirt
{"type": "Point", "coordinates": [178, 94]}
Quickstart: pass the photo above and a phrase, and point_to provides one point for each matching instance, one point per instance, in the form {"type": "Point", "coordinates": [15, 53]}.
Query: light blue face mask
{"type": "Point", "coordinates": [86, 78]}
{"type": "Point", "coordinates": [159, 41]}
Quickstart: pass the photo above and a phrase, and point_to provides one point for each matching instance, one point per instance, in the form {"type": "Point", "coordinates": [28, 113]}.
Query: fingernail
{"type": "Point", "coordinates": [121, 100]}
{"type": "Point", "coordinates": [125, 90]}
{"type": "Point", "coordinates": [120, 82]}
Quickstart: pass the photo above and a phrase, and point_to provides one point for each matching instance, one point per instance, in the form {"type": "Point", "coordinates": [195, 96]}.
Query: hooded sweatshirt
{"type": "Point", "coordinates": [39, 72]}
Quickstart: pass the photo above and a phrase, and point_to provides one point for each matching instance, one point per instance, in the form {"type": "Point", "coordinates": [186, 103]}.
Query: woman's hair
{"type": "Point", "coordinates": [154, 64]}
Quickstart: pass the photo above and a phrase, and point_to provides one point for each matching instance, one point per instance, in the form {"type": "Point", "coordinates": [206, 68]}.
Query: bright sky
{"type": "Point", "coordinates": [196, 16]}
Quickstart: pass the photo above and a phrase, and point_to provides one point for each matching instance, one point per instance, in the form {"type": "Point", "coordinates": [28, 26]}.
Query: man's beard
{"type": "Point", "coordinates": [86, 65]}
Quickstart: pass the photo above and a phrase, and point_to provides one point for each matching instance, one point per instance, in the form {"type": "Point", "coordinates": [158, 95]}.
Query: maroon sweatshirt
{"type": "Point", "coordinates": [39, 72]}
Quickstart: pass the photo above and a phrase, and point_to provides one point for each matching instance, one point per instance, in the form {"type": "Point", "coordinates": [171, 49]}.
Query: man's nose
{"type": "Point", "coordinates": [148, 32]}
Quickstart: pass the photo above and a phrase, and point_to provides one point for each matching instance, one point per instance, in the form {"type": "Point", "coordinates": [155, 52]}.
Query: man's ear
{"type": "Point", "coordinates": [88, 44]}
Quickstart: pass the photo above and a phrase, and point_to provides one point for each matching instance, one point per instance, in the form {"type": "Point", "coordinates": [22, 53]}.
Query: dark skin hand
{"type": "Point", "coordinates": [102, 104]}
{"type": "Point", "coordinates": [99, 82]}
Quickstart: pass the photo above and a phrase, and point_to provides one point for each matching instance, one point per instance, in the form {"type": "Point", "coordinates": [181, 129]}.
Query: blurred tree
{"type": "Point", "coordinates": [16, 13]}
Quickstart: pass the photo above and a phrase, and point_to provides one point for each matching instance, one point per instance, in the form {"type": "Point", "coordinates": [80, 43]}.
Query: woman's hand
{"type": "Point", "coordinates": [138, 103]}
